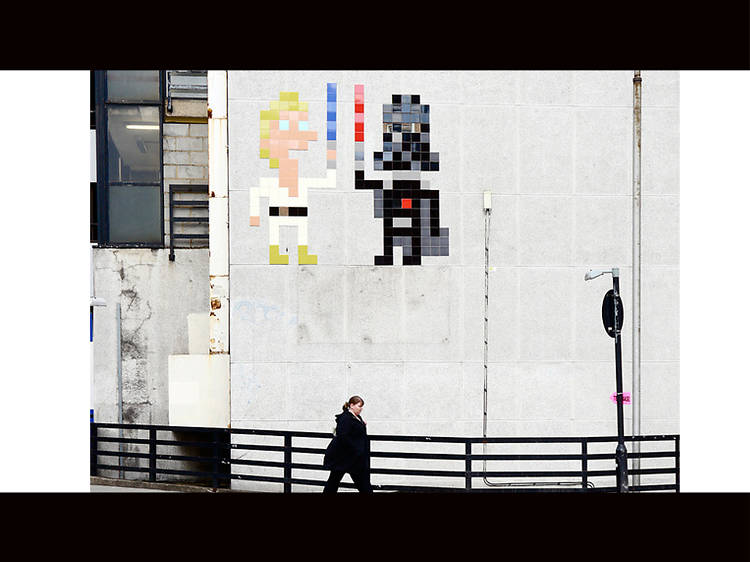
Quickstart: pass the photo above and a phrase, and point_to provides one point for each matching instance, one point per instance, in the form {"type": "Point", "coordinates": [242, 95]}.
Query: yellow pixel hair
{"type": "Point", "coordinates": [288, 101]}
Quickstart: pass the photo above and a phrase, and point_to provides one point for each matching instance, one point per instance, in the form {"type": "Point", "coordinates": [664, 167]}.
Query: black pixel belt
{"type": "Point", "coordinates": [287, 211]}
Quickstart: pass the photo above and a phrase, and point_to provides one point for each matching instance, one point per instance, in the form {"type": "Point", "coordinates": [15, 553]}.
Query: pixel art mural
{"type": "Point", "coordinates": [410, 209]}
{"type": "Point", "coordinates": [285, 127]}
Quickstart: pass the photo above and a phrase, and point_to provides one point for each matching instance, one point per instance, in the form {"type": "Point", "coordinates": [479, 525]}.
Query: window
{"type": "Point", "coordinates": [94, 226]}
{"type": "Point", "coordinates": [129, 158]}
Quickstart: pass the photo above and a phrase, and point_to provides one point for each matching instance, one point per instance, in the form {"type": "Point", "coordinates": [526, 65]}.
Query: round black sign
{"type": "Point", "coordinates": [608, 313]}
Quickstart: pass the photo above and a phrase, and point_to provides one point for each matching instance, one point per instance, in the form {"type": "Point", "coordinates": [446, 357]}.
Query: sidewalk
{"type": "Point", "coordinates": [114, 485]}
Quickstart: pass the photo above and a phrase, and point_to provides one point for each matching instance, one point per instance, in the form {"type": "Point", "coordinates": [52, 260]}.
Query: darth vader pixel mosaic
{"type": "Point", "coordinates": [410, 209]}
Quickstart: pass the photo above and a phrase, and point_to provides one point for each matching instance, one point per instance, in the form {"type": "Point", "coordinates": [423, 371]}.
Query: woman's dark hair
{"type": "Point", "coordinates": [352, 400]}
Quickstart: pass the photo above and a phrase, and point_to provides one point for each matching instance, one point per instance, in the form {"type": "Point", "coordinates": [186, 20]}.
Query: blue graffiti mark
{"type": "Point", "coordinates": [258, 312]}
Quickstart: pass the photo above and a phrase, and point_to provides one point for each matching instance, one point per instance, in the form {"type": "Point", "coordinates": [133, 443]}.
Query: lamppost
{"type": "Point", "coordinates": [612, 316]}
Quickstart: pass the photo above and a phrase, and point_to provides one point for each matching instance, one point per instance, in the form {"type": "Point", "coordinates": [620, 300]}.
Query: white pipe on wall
{"type": "Point", "coordinates": [636, 401]}
{"type": "Point", "coordinates": [118, 322]}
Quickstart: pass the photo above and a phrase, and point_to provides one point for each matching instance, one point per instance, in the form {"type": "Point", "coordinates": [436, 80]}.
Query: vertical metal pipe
{"type": "Point", "coordinates": [636, 338]}
{"type": "Point", "coordinates": [118, 322]}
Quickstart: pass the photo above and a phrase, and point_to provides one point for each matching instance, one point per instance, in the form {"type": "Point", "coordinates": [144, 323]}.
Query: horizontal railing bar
{"type": "Point", "coordinates": [279, 448]}
{"type": "Point", "coordinates": [123, 468]}
{"type": "Point", "coordinates": [162, 457]}
{"type": "Point", "coordinates": [304, 466]}
{"type": "Point", "coordinates": [131, 440]}
{"type": "Point", "coordinates": [421, 438]}
{"type": "Point", "coordinates": [567, 439]}
{"type": "Point", "coordinates": [246, 447]}
{"type": "Point", "coordinates": [104, 453]}
{"type": "Point", "coordinates": [186, 236]}
{"type": "Point", "coordinates": [535, 474]}
{"type": "Point", "coordinates": [196, 444]}
{"type": "Point", "coordinates": [281, 480]}
{"type": "Point", "coordinates": [306, 450]}
{"type": "Point", "coordinates": [257, 478]}
{"type": "Point", "coordinates": [652, 455]}
{"type": "Point", "coordinates": [426, 456]}
{"type": "Point", "coordinates": [672, 470]}
{"type": "Point", "coordinates": [249, 462]}
{"type": "Point", "coordinates": [531, 457]}
{"type": "Point", "coordinates": [647, 487]}
{"type": "Point", "coordinates": [162, 471]}
{"type": "Point", "coordinates": [416, 472]}
{"type": "Point", "coordinates": [143, 441]}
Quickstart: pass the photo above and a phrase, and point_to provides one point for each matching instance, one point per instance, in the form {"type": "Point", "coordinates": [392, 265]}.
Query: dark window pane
{"type": "Point", "coordinates": [94, 229]}
{"type": "Point", "coordinates": [132, 85]}
{"type": "Point", "coordinates": [133, 143]}
{"type": "Point", "coordinates": [135, 214]}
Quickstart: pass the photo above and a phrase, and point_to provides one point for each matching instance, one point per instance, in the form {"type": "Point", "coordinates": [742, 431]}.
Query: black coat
{"type": "Point", "coordinates": [349, 450]}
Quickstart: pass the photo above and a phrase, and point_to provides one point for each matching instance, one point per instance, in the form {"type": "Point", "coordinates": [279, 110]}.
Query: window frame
{"type": "Point", "coordinates": [102, 158]}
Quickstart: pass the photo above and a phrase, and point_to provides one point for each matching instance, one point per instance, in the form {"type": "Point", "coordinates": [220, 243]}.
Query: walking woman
{"type": "Point", "coordinates": [349, 451]}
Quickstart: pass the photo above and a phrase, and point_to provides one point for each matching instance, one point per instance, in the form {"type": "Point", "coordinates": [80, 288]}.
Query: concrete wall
{"type": "Point", "coordinates": [555, 149]}
{"type": "Point", "coordinates": [155, 297]}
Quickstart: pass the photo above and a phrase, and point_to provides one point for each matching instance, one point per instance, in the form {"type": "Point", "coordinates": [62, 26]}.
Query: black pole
{"type": "Point", "coordinates": [621, 452]}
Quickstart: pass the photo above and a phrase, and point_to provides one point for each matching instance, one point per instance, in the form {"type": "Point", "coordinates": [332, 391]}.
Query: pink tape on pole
{"type": "Point", "coordinates": [625, 397]}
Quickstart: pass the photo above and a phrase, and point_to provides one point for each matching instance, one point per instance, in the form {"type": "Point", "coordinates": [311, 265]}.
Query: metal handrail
{"type": "Point", "coordinates": [216, 445]}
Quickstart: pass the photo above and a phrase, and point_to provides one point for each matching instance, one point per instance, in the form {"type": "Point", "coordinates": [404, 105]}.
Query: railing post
{"type": "Point", "coordinates": [152, 455]}
{"type": "Point", "coordinates": [217, 459]}
{"type": "Point", "coordinates": [677, 462]}
{"type": "Point", "coordinates": [94, 449]}
{"type": "Point", "coordinates": [287, 464]}
{"type": "Point", "coordinates": [467, 452]}
{"type": "Point", "coordinates": [584, 464]}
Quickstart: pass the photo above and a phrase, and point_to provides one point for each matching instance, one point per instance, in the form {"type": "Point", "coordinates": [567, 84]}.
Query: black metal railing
{"type": "Point", "coordinates": [195, 201]}
{"type": "Point", "coordinates": [216, 456]}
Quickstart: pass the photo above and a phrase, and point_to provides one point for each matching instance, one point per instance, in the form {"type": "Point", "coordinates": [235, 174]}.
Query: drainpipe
{"type": "Point", "coordinates": [118, 322]}
{"type": "Point", "coordinates": [218, 213]}
{"type": "Point", "coordinates": [636, 400]}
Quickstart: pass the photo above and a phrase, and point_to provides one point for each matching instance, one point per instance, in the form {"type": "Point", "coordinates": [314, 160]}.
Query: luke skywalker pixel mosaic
{"type": "Point", "coordinates": [284, 127]}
